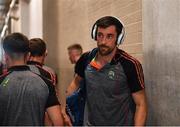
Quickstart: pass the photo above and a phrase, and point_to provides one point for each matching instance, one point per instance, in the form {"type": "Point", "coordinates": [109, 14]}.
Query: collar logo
{"type": "Point", "coordinates": [5, 82]}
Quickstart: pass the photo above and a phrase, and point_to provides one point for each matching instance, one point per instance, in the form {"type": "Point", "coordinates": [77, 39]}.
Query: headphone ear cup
{"type": "Point", "coordinates": [93, 33]}
{"type": "Point", "coordinates": [121, 36]}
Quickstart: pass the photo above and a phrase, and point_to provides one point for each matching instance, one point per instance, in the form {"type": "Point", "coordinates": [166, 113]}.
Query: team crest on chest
{"type": "Point", "coordinates": [111, 74]}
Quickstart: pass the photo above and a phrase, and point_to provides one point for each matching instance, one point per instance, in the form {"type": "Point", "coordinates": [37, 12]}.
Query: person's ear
{"type": "Point", "coordinates": [27, 57]}
{"type": "Point", "coordinates": [6, 57]}
{"type": "Point", "coordinates": [46, 53]}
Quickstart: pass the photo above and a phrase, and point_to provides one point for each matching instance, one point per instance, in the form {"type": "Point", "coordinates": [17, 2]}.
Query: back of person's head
{"type": "Point", "coordinates": [37, 47]}
{"type": "Point", "coordinates": [74, 52]}
{"type": "Point", "coordinates": [15, 44]}
{"type": "Point", "coordinates": [77, 47]}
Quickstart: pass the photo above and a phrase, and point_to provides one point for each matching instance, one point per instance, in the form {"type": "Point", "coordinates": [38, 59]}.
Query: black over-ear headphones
{"type": "Point", "coordinates": [121, 35]}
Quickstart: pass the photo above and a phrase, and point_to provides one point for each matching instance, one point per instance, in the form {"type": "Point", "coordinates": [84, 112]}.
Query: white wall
{"type": "Point", "coordinates": [35, 14]}
{"type": "Point", "coordinates": [31, 18]}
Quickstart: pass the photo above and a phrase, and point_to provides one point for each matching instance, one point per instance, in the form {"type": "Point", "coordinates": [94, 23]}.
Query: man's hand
{"type": "Point", "coordinates": [67, 121]}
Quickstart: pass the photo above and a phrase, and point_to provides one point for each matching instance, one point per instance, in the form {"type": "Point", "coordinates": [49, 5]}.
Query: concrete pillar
{"type": "Point", "coordinates": [30, 16]}
{"type": "Point", "coordinates": [161, 41]}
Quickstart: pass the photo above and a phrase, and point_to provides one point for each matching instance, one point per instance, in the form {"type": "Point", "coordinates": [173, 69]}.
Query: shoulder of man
{"type": "Point", "coordinates": [127, 59]}
{"type": "Point", "coordinates": [133, 70]}
{"type": "Point", "coordinates": [49, 69]}
{"type": "Point", "coordinates": [3, 76]}
{"type": "Point", "coordinates": [83, 61]}
{"type": "Point", "coordinates": [89, 55]}
{"type": "Point", "coordinates": [48, 82]}
{"type": "Point", "coordinates": [45, 79]}
{"type": "Point", "coordinates": [52, 73]}
{"type": "Point", "coordinates": [41, 72]}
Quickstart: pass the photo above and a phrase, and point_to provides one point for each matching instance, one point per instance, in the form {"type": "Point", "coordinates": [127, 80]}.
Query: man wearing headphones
{"type": "Point", "coordinates": [114, 80]}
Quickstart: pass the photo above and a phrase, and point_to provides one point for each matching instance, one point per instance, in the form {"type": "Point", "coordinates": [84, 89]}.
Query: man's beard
{"type": "Point", "coordinates": [104, 50]}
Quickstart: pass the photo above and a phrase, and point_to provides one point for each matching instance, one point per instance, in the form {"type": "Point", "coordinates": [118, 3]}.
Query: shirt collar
{"type": "Point", "coordinates": [116, 57]}
{"type": "Point", "coordinates": [19, 68]}
{"type": "Point", "coordinates": [34, 63]}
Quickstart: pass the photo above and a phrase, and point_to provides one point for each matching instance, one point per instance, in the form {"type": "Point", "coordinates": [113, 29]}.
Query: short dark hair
{"type": "Point", "coordinates": [107, 21]}
{"type": "Point", "coordinates": [16, 43]}
{"type": "Point", "coordinates": [37, 47]}
{"type": "Point", "coordinates": [75, 46]}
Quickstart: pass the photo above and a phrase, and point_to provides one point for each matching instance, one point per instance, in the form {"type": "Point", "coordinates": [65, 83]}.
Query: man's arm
{"type": "Point", "coordinates": [74, 85]}
{"type": "Point", "coordinates": [54, 113]}
{"type": "Point", "coordinates": [71, 88]}
{"type": "Point", "coordinates": [141, 108]}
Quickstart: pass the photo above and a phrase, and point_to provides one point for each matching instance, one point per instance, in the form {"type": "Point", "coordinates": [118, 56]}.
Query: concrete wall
{"type": "Point", "coordinates": [30, 18]}
{"type": "Point", "coordinates": [161, 40]}
{"type": "Point", "coordinates": [69, 21]}
{"type": "Point", "coordinates": [35, 22]}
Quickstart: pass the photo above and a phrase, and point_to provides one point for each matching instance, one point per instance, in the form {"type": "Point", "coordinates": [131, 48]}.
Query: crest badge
{"type": "Point", "coordinates": [111, 74]}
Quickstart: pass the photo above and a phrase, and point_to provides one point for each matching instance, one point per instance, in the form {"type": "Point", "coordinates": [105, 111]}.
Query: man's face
{"type": "Point", "coordinates": [106, 40]}
{"type": "Point", "coordinates": [73, 55]}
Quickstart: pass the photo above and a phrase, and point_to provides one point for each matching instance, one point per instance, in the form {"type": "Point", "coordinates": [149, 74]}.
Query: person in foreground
{"type": "Point", "coordinates": [24, 95]}
{"type": "Point", "coordinates": [114, 81]}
